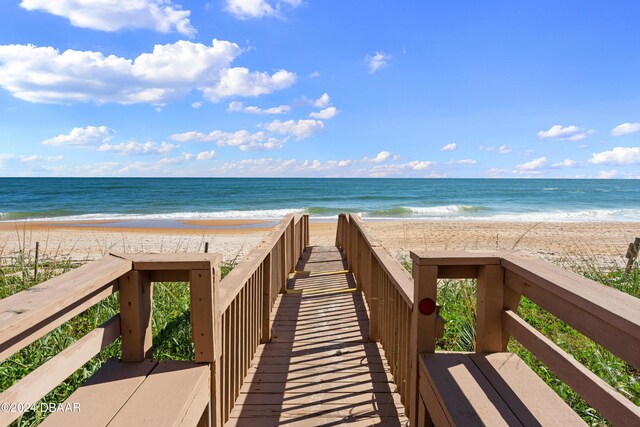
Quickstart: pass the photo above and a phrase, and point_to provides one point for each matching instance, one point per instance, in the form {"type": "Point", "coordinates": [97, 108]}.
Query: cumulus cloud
{"type": "Point", "coordinates": [300, 129]}
{"type": "Point", "coordinates": [465, 162]}
{"type": "Point", "coordinates": [449, 147]}
{"type": "Point", "coordinates": [169, 72]}
{"type": "Point", "coordinates": [617, 156]}
{"type": "Point", "coordinates": [625, 128]}
{"type": "Point", "coordinates": [380, 170]}
{"type": "Point", "coordinates": [240, 107]}
{"type": "Point", "coordinates": [377, 61]}
{"type": "Point", "coordinates": [326, 114]}
{"type": "Point", "coordinates": [243, 139]}
{"type": "Point", "coordinates": [135, 147]}
{"type": "Point", "coordinates": [246, 9]}
{"type": "Point", "coordinates": [206, 155]}
{"type": "Point", "coordinates": [381, 157]}
{"type": "Point", "coordinates": [109, 15]}
{"type": "Point", "coordinates": [91, 135]}
{"type": "Point", "coordinates": [532, 165]}
{"type": "Point", "coordinates": [321, 102]}
{"type": "Point", "coordinates": [567, 133]}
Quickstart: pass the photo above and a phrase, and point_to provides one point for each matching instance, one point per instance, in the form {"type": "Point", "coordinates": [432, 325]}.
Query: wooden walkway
{"type": "Point", "coordinates": [320, 368]}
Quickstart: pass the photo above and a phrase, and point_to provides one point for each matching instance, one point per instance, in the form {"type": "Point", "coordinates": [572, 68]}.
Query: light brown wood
{"type": "Point", "coordinates": [207, 332]}
{"type": "Point", "coordinates": [267, 289]}
{"type": "Point", "coordinates": [512, 294]}
{"type": "Point", "coordinates": [442, 258]}
{"type": "Point", "coordinates": [102, 396]}
{"type": "Point", "coordinates": [24, 312]}
{"type": "Point", "coordinates": [614, 307]}
{"type": "Point", "coordinates": [45, 378]}
{"type": "Point", "coordinates": [319, 363]}
{"type": "Point", "coordinates": [466, 396]}
{"type": "Point", "coordinates": [397, 274]}
{"type": "Point", "coordinates": [596, 392]}
{"type": "Point", "coordinates": [432, 406]}
{"type": "Point", "coordinates": [18, 342]}
{"type": "Point", "coordinates": [169, 275]}
{"type": "Point", "coordinates": [135, 312]}
{"type": "Point", "coordinates": [526, 394]}
{"type": "Point", "coordinates": [174, 393]}
{"type": "Point", "coordinates": [423, 328]}
{"type": "Point", "coordinates": [172, 261]}
{"type": "Point", "coordinates": [489, 296]}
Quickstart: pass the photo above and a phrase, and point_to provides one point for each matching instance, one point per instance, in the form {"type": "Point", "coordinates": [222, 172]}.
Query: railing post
{"type": "Point", "coordinates": [292, 246]}
{"type": "Point", "coordinates": [207, 331]}
{"type": "Point", "coordinates": [266, 300]}
{"type": "Point", "coordinates": [283, 263]}
{"type": "Point", "coordinates": [489, 306]}
{"type": "Point", "coordinates": [135, 316]}
{"type": "Point", "coordinates": [375, 275]}
{"type": "Point", "coordinates": [513, 287]}
{"type": "Point", "coordinates": [423, 327]}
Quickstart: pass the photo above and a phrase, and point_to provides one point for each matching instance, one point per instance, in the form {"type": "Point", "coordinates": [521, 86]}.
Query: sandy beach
{"type": "Point", "coordinates": [602, 242]}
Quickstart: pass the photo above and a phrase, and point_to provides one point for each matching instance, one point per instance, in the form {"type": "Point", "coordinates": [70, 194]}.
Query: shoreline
{"type": "Point", "coordinates": [606, 242]}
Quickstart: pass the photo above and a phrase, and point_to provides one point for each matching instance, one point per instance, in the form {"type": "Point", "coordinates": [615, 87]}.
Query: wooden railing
{"type": "Point", "coordinates": [229, 318]}
{"type": "Point", "coordinates": [31, 314]}
{"type": "Point", "coordinates": [388, 291]}
{"type": "Point", "coordinates": [609, 317]}
{"type": "Point", "coordinates": [247, 295]}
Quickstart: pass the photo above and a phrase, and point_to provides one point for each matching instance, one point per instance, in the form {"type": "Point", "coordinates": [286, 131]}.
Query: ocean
{"type": "Point", "coordinates": [146, 199]}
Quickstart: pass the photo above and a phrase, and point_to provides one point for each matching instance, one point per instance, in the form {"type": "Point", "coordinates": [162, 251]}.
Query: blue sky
{"type": "Point", "coordinates": [320, 88]}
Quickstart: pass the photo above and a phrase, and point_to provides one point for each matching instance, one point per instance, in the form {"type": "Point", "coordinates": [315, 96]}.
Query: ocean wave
{"type": "Point", "coordinates": [230, 214]}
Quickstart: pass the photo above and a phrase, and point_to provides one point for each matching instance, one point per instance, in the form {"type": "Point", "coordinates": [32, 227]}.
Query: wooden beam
{"type": "Point", "coordinates": [265, 332]}
{"type": "Point", "coordinates": [442, 258]}
{"type": "Point", "coordinates": [32, 308]}
{"type": "Point", "coordinates": [136, 293]}
{"type": "Point", "coordinates": [605, 399]}
{"type": "Point", "coordinates": [171, 261]}
{"type": "Point", "coordinates": [489, 302]}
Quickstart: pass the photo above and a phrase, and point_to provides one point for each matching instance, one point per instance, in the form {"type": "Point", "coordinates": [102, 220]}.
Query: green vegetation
{"type": "Point", "coordinates": [458, 309]}
{"type": "Point", "coordinates": [171, 329]}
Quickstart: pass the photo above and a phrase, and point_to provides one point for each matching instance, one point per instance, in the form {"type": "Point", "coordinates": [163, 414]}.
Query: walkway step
{"type": "Point", "coordinates": [320, 368]}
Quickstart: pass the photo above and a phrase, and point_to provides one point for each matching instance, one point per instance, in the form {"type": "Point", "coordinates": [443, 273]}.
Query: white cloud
{"type": "Point", "coordinates": [113, 15]}
{"type": "Point", "coordinates": [321, 102]}
{"type": "Point", "coordinates": [381, 157]}
{"type": "Point", "coordinates": [532, 165]}
{"type": "Point", "coordinates": [567, 133]}
{"type": "Point", "coordinates": [301, 129]}
{"type": "Point", "coordinates": [196, 105]}
{"type": "Point", "coordinates": [43, 74]}
{"type": "Point", "coordinates": [399, 168]}
{"type": "Point", "coordinates": [326, 114]}
{"type": "Point", "coordinates": [466, 162]}
{"type": "Point", "coordinates": [246, 9]}
{"type": "Point", "coordinates": [607, 174]}
{"type": "Point", "coordinates": [625, 128]}
{"type": "Point", "coordinates": [377, 61]}
{"type": "Point", "coordinates": [206, 155]}
{"type": "Point", "coordinates": [566, 163]}
{"type": "Point", "coordinates": [135, 147]}
{"type": "Point", "coordinates": [243, 139]}
{"type": "Point", "coordinates": [91, 135]}
{"type": "Point", "coordinates": [239, 106]}
{"type": "Point", "coordinates": [241, 82]}
{"type": "Point", "coordinates": [617, 156]}
{"type": "Point", "coordinates": [449, 147]}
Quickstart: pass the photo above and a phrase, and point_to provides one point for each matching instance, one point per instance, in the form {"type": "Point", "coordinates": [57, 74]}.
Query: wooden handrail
{"type": "Point", "coordinates": [606, 315]}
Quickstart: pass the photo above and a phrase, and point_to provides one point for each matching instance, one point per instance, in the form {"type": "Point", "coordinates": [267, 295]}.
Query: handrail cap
{"type": "Point", "coordinates": [455, 258]}
{"type": "Point", "coordinates": [172, 261]}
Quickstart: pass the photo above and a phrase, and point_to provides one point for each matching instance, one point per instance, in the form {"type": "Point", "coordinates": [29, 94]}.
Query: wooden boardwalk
{"type": "Point", "coordinates": [320, 367]}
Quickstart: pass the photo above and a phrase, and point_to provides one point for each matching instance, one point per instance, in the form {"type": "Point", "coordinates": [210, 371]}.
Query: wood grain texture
{"type": "Point", "coordinates": [320, 366]}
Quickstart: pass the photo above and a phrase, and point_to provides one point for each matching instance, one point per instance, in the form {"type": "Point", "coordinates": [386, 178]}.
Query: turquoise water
{"type": "Point", "coordinates": [271, 198]}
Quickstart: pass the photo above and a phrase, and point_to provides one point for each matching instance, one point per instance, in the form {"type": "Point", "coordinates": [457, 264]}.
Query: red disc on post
{"type": "Point", "coordinates": [427, 306]}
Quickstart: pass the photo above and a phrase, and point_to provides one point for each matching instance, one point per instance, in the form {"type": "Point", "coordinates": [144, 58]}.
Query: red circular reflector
{"type": "Point", "coordinates": [427, 306]}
